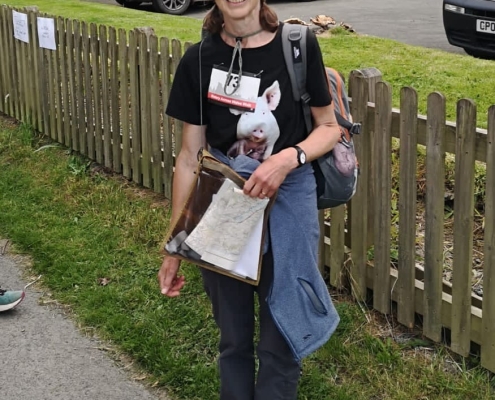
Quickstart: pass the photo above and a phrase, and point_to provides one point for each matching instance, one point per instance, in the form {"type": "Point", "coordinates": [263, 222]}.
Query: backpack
{"type": "Point", "coordinates": [337, 171]}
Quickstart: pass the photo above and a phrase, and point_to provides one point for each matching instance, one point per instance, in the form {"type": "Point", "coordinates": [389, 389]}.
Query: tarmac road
{"type": "Point", "coordinates": [415, 22]}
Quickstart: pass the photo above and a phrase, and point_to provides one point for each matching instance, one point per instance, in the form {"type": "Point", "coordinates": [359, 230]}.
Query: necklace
{"type": "Point", "coordinates": [239, 38]}
{"type": "Point", "coordinates": [237, 50]}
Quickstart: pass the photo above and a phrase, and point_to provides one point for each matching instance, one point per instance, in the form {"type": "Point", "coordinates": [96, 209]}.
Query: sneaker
{"type": "Point", "coordinates": [10, 298]}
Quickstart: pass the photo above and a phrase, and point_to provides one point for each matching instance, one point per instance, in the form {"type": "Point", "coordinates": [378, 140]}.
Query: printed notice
{"type": "Point", "coordinates": [20, 21]}
{"type": "Point", "coordinates": [46, 33]}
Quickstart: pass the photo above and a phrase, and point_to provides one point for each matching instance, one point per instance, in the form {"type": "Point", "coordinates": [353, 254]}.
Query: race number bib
{"type": "Point", "coordinates": [233, 91]}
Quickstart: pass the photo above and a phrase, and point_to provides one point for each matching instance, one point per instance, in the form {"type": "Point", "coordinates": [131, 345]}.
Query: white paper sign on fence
{"type": "Point", "coordinates": [46, 33]}
{"type": "Point", "coordinates": [21, 29]}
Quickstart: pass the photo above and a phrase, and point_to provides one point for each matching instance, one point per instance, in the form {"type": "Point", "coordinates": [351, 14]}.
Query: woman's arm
{"type": "Point", "coordinates": [271, 173]}
{"type": "Point", "coordinates": [193, 138]}
{"type": "Point", "coordinates": [323, 138]}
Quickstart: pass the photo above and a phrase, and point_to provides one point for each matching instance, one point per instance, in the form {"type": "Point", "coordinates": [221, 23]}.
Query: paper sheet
{"type": "Point", "coordinates": [20, 22]}
{"type": "Point", "coordinates": [233, 229]}
{"type": "Point", "coordinates": [229, 234]}
{"type": "Point", "coordinates": [46, 33]}
{"type": "Point", "coordinates": [205, 229]}
{"type": "Point", "coordinates": [248, 263]}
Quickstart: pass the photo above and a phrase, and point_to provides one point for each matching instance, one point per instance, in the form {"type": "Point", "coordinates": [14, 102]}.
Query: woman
{"type": "Point", "coordinates": [233, 93]}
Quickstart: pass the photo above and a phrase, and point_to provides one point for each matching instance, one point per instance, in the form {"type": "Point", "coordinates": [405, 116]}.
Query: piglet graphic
{"type": "Point", "coordinates": [258, 131]}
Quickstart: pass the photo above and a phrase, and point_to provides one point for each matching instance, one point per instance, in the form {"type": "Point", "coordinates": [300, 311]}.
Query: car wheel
{"type": "Point", "coordinates": [479, 54]}
{"type": "Point", "coordinates": [174, 7]}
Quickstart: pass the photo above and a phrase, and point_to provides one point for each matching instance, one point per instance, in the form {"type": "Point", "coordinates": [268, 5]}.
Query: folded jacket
{"type": "Point", "coordinates": [299, 300]}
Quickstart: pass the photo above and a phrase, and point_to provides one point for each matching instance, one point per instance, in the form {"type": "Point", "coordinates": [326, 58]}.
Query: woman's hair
{"type": "Point", "coordinates": [213, 21]}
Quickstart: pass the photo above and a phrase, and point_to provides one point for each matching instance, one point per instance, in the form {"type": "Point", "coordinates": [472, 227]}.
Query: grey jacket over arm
{"type": "Point", "coordinates": [299, 300]}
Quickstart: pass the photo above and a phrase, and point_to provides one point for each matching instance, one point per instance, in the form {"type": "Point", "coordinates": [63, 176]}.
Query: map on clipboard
{"type": "Point", "coordinates": [230, 232]}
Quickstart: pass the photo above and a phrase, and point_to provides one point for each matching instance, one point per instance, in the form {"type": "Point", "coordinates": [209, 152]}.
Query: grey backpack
{"type": "Point", "coordinates": [337, 171]}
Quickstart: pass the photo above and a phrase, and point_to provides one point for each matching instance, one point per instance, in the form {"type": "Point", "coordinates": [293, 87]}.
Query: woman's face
{"type": "Point", "coordinates": [238, 10]}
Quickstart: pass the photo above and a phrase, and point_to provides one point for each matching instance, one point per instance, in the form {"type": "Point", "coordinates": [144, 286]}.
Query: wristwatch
{"type": "Point", "coordinates": [301, 156]}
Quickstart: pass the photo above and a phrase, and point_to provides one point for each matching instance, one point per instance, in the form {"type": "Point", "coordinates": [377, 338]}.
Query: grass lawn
{"type": "Point", "coordinates": [81, 226]}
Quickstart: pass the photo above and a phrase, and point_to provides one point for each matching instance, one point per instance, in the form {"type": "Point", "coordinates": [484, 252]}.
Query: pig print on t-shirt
{"type": "Point", "coordinates": [258, 131]}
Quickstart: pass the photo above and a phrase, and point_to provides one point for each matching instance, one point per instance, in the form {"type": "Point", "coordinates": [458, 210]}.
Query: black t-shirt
{"type": "Point", "coordinates": [240, 133]}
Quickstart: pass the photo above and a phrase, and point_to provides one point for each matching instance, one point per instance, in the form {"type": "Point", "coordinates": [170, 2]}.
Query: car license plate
{"type": "Point", "coordinates": [485, 26]}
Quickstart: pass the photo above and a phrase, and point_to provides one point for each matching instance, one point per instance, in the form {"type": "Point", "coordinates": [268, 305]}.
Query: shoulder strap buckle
{"type": "Point", "coordinates": [295, 34]}
{"type": "Point", "coordinates": [305, 98]}
{"type": "Point", "coordinates": [355, 129]}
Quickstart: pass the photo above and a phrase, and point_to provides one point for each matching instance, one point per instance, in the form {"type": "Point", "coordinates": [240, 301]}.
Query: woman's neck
{"type": "Point", "coordinates": [244, 28]}
{"type": "Point", "coordinates": [252, 35]}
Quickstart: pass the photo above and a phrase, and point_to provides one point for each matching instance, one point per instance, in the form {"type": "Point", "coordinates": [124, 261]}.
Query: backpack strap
{"type": "Point", "coordinates": [294, 47]}
{"type": "Point", "coordinates": [295, 54]}
{"type": "Point", "coordinates": [353, 128]}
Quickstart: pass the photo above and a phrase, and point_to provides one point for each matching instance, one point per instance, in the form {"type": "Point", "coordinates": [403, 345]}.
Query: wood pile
{"type": "Point", "coordinates": [321, 23]}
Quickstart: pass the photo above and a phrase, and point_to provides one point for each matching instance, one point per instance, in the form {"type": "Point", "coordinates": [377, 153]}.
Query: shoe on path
{"type": "Point", "coordinates": [10, 298]}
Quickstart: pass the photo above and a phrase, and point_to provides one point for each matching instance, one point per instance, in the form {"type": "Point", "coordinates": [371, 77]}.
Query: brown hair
{"type": "Point", "coordinates": [213, 21]}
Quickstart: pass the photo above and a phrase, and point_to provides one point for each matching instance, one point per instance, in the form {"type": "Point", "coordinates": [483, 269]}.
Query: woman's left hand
{"type": "Point", "coordinates": [267, 178]}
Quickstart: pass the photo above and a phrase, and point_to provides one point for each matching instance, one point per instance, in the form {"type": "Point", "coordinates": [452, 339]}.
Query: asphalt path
{"type": "Point", "coordinates": [415, 22]}
{"type": "Point", "coordinates": [45, 356]}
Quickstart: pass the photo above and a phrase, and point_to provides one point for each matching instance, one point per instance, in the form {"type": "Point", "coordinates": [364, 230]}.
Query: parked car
{"type": "Point", "coordinates": [175, 7]}
{"type": "Point", "coordinates": [470, 24]}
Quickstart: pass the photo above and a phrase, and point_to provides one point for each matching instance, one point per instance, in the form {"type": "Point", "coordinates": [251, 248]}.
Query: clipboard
{"type": "Point", "coordinates": [211, 175]}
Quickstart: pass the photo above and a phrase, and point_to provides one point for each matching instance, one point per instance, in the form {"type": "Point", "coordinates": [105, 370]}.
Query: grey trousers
{"type": "Point", "coordinates": [233, 310]}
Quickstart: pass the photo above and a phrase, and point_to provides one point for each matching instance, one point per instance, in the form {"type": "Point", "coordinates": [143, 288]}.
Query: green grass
{"type": "Point", "coordinates": [426, 70]}
{"type": "Point", "coordinates": [80, 226]}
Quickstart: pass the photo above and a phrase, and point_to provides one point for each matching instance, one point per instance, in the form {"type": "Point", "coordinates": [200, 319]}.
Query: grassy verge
{"type": "Point", "coordinates": [426, 70]}
{"type": "Point", "coordinates": [83, 227]}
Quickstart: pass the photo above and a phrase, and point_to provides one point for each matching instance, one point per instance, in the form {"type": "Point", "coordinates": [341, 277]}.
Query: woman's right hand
{"type": "Point", "coordinates": [170, 283]}
{"type": "Point", "coordinates": [193, 139]}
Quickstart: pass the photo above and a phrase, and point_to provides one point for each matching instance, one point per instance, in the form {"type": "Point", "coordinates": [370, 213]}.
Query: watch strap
{"type": "Point", "coordinates": [301, 156]}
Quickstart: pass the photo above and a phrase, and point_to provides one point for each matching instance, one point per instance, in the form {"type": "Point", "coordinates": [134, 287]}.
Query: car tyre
{"type": "Point", "coordinates": [479, 54]}
{"type": "Point", "coordinates": [174, 7]}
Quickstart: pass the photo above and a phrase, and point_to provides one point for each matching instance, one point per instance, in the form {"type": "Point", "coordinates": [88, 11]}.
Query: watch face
{"type": "Point", "coordinates": [302, 157]}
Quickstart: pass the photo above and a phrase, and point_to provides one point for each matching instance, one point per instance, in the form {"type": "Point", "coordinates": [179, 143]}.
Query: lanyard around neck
{"type": "Point", "coordinates": [237, 50]}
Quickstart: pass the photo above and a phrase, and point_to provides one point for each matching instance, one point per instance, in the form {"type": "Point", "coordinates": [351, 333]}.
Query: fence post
{"type": "Point", "coordinates": [434, 216]}
{"type": "Point", "coordinates": [359, 203]}
{"type": "Point", "coordinates": [32, 74]}
{"type": "Point", "coordinates": [372, 76]}
{"type": "Point", "coordinates": [337, 257]}
{"type": "Point", "coordinates": [382, 147]}
{"type": "Point", "coordinates": [177, 124]}
{"type": "Point", "coordinates": [106, 109]}
{"type": "Point", "coordinates": [135, 125]}
{"type": "Point", "coordinates": [463, 226]}
{"type": "Point", "coordinates": [124, 62]}
{"type": "Point", "coordinates": [168, 155]}
{"type": "Point", "coordinates": [143, 35]}
{"type": "Point", "coordinates": [321, 244]}
{"type": "Point", "coordinates": [407, 206]}
{"type": "Point", "coordinates": [488, 322]}
{"type": "Point", "coordinates": [3, 57]}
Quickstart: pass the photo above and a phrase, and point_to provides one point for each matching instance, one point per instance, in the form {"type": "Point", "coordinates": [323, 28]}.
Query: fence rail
{"type": "Point", "coordinates": [103, 91]}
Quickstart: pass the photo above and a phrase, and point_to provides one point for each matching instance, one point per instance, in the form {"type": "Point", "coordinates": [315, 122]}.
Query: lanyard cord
{"type": "Point", "coordinates": [200, 85]}
{"type": "Point", "coordinates": [237, 49]}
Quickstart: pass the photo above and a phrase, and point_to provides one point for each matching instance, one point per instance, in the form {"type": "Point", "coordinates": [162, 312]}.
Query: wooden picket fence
{"type": "Point", "coordinates": [103, 92]}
